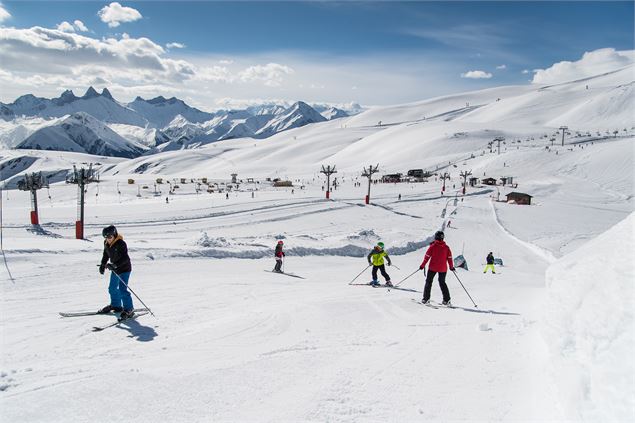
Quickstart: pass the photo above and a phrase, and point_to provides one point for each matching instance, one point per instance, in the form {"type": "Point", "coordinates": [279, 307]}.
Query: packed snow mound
{"type": "Point", "coordinates": [82, 133]}
{"type": "Point", "coordinates": [589, 326]}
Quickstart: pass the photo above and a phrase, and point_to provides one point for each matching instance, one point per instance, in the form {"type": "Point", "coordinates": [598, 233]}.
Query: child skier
{"type": "Point", "coordinates": [116, 250]}
{"type": "Point", "coordinates": [377, 256]}
{"type": "Point", "coordinates": [439, 256]}
{"type": "Point", "coordinates": [279, 254]}
{"type": "Point", "coordinates": [490, 263]}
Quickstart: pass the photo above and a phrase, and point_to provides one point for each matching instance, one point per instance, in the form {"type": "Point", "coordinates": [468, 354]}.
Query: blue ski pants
{"type": "Point", "coordinates": [119, 294]}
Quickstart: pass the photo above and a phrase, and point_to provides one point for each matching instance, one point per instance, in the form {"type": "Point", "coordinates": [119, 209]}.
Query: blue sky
{"type": "Point", "coordinates": [367, 52]}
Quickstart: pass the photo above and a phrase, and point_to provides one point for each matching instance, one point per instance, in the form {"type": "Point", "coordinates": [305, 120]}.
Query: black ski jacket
{"type": "Point", "coordinates": [490, 259]}
{"type": "Point", "coordinates": [118, 255]}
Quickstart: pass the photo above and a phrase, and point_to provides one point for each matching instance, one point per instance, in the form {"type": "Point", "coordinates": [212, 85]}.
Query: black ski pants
{"type": "Point", "coordinates": [442, 284]}
{"type": "Point", "coordinates": [382, 269]}
{"type": "Point", "coordinates": [278, 267]}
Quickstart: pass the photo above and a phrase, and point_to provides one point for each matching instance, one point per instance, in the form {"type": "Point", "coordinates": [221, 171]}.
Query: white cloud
{"type": "Point", "coordinates": [175, 45]}
{"type": "Point", "coordinates": [77, 25]}
{"type": "Point", "coordinates": [501, 67]}
{"type": "Point", "coordinates": [271, 74]}
{"type": "Point", "coordinates": [45, 62]}
{"type": "Point", "coordinates": [114, 14]}
{"type": "Point", "coordinates": [477, 74]}
{"type": "Point", "coordinates": [4, 15]}
{"type": "Point", "coordinates": [525, 71]}
{"type": "Point", "coordinates": [66, 27]}
{"type": "Point", "coordinates": [592, 63]}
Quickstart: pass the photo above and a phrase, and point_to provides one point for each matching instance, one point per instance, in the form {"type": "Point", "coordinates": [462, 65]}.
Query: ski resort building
{"type": "Point", "coordinates": [519, 198]}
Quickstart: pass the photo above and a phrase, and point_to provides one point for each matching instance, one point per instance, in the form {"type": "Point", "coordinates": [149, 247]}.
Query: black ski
{"type": "Point", "coordinates": [398, 288]}
{"type": "Point", "coordinates": [284, 273]}
{"type": "Point", "coordinates": [100, 328]}
{"type": "Point", "coordinates": [420, 302]}
{"type": "Point", "coordinates": [93, 313]}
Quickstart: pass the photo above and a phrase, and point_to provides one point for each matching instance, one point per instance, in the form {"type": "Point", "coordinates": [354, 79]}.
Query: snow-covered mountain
{"type": "Point", "coordinates": [82, 133]}
{"type": "Point", "coordinates": [160, 111]}
{"type": "Point", "coordinates": [334, 113]}
{"type": "Point", "coordinates": [299, 114]}
{"type": "Point", "coordinates": [101, 106]}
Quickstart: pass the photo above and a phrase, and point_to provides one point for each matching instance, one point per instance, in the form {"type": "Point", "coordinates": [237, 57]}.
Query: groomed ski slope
{"type": "Point", "coordinates": [233, 343]}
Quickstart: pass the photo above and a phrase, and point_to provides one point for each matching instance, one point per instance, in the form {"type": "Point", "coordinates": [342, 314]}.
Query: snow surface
{"type": "Point", "coordinates": [231, 342]}
{"type": "Point", "coordinates": [590, 328]}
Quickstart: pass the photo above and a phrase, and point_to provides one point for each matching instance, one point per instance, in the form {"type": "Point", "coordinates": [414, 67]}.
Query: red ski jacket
{"type": "Point", "coordinates": [439, 256]}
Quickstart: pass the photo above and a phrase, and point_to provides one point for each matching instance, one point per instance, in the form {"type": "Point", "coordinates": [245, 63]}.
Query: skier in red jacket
{"type": "Point", "coordinates": [439, 256]}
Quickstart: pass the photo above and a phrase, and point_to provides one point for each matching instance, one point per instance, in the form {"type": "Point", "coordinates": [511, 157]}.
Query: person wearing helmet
{"type": "Point", "coordinates": [440, 256]}
{"type": "Point", "coordinates": [116, 251]}
{"type": "Point", "coordinates": [490, 263]}
{"type": "Point", "coordinates": [376, 258]}
{"type": "Point", "coordinates": [279, 254]}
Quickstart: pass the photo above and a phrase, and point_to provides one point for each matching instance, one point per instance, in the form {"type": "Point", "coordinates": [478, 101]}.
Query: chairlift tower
{"type": "Point", "coordinates": [81, 178]}
{"type": "Point", "coordinates": [328, 171]}
{"type": "Point", "coordinates": [369, 174]}
{"type": "Point", "coordinates": [464, 175]}
{"type": "Point", "coordinates": [445, 176]}
{"type": "Point", "coordinates": [498, 140]}
{"type": "Point", "coordinates": [33, 182]}
{"type": "Point", "coordinates": [563, 129]}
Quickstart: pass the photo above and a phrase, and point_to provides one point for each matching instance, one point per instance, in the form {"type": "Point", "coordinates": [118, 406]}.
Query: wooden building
{"type": "Point", "coordinates": [519, 198]}
{"type": "Point", "coordinates": [489, 181]}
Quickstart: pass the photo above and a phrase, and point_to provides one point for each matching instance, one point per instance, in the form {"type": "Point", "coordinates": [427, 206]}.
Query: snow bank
{"type": "Point", "coordinates": [589, 326]}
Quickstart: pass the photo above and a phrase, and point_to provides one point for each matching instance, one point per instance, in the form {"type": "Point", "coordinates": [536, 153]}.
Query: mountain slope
{"type": "Point", "coordinates": [160, 111]}
{"type": "Point", "coordinates": [82, 133]}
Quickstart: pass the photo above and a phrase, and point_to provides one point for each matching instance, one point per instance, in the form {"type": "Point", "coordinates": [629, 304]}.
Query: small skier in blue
{"type": "Point", "coordinates": [116, 250]}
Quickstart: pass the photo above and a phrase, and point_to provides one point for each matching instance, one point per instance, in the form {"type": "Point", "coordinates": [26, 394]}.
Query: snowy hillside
{"type": "Point", "coordinates": [590, 325]}
{"type": "Point", "coordinates": [548, 337]}
{"type": "Point", "coordinates": [82, 133]}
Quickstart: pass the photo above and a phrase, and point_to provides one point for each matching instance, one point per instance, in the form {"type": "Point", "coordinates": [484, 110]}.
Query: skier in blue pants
{"type": "Point", "coordinates": [116, 250]}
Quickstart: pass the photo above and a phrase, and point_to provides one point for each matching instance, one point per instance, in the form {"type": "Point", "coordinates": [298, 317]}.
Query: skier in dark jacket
{"type": "Point", "coordinates": [279, 254]}
{"type": "Point", "coordinates": [440, 256]}
{"type": "Point", "coordinates": [490, 263]}
{"type": "Point", "coordinates": [377, 256]}
{"type": "Point", "coordinates": [116, 250]}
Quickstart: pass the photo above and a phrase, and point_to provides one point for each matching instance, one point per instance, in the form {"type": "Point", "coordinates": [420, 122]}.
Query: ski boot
{"type": "Point", "coordinates": [389, 284]}
{"type": "Point", "coordinates": [109, 309]}
{"type": "Point", "coordinates": [374, 283]}
{"type": "Point", "coordinates": [126, 314]}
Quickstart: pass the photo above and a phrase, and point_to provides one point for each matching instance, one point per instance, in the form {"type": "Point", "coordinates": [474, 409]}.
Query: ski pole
{"type": "Point", "coordinates": [398, 283]}
{"type": "Point", "coordinates": [360, 274]}
{"type": "Point", "coordinates": [133, 293]}
{"type": "Point", "coordinates": [396, 267]}
{"type": "Point", "coordinates": [468, 294]}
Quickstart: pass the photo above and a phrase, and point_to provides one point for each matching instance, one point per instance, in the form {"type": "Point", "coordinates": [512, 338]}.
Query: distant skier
{"type": "Point", "coordinates": [440, 256]}
{"type": "Point", "coordinates": [490, 263]}
{"type": "Point", "coordinates": [116, 250]}
{"type": "Point", "coordinates": [279, 254]}
{"type": "Point", "coordinates": [376, 258]}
